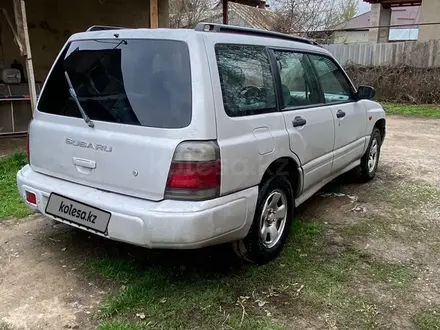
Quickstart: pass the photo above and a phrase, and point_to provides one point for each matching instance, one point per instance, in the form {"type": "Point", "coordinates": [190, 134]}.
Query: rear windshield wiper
{"type": "Point", "coordinates": [75, 98]}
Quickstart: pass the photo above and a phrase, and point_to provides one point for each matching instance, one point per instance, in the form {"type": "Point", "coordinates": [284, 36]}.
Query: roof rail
{"type": "Point", "coordinates": [212, 27]}
{"type": "Point", "coordinates": [103, 28]}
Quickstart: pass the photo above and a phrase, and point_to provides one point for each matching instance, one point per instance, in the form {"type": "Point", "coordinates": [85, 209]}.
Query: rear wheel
{"type": "Point", "coordinates": [271, 225]}
{"type": "Point", "coordinates": [370, 160]}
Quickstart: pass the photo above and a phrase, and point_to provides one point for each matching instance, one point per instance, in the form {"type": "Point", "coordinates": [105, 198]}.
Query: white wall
{"type": "Point", "coordinates": [430, 13]}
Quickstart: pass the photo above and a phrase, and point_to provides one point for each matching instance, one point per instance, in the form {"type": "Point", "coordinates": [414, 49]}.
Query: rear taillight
{"type": "Point", "coordinates": [195, 172]}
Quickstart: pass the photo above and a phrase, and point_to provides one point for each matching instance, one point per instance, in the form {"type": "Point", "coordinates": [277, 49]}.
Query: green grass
{"type": "Point", "coordinates": [117, 269]}
{"type": "Point", "coordinates": [122, 326]}
{"type": "Point", "coordinates": [4, 326]}
{"type": "Point", "coordinates": [210, 290]}
{"type": "Point", "coordinates": [402, 194]}
{"type": "Point", "coordinates": [423, 110]}
{"type": "Point", "coordinates": [427, 320]}
{"type": "Point", "coordinates": [10, 203]}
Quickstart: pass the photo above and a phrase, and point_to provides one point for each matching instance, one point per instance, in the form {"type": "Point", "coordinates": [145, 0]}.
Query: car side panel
{"type": "Point", "coordinates": [349, 133]}
{"type": "Point", "coordinates": [313, 142]}
{"type": "Point", "coordinates": [248, 144]}
{"type": "Point", "coordinates": [373, 110]}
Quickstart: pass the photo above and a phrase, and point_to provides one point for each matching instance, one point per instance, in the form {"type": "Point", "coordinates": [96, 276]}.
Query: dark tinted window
{"type": "Point", "coordinates": [135, 82]}
{"type": "Point", "coordinates": [299, 86]}
{"type": "Point", "coordinates": [335, 84]}
{"type": "Point", "coordinates": [246, 79]}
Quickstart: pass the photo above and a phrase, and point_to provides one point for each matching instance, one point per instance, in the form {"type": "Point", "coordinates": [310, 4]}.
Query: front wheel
{"type": "Point", "coordinates": [370, 160]}
{"type": "Point", "coordinates": [271, 225]}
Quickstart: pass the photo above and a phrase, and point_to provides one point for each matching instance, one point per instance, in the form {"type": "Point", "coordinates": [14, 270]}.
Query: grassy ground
{"type": "Point", "coordinates": [428, 320]}
{"type": "Point", "coordinates": [216, 294]}
{"type": "Point", "coordinates": [366, 258]}
{"type": "Point", "coordinates": [10, 202]}
{"type": "Point", "coordinates": [423, 110]}
{"type": "Point", "coordinates": [342, 269]}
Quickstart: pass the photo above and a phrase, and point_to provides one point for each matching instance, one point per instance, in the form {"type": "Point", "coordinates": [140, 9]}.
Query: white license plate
{"type": "Point", "coordinates": [77, 212]}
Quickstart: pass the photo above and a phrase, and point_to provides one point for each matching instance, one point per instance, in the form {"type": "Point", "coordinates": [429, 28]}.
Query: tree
{"type": "Point", "coordinates": [187, 13]}
{"type": "Point", "coordinates": [312, 15]}
{"type": "Point", "coordinates": [347, 10]}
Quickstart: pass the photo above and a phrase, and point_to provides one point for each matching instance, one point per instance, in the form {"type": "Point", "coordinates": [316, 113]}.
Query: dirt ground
{"type": "Point", "coordinates": [43, 284]}
{"type": "Point", "coordinates": [40, 284]}
{"type": "Point", "coordinates": [412, 148]}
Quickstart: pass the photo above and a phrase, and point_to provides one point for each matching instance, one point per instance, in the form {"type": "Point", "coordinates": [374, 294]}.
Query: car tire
{"type": "Point", "coordinates": [271, 224]}
{"type": "Point", "coordinates": [370, 160]}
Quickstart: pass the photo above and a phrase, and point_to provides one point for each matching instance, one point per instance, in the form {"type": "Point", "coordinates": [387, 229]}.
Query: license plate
{"type": "Point", "coordinates": [77, 212]}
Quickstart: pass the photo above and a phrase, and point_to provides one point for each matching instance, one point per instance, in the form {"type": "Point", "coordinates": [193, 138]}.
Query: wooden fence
{"type": "Point", "coordinates": [411, 53]}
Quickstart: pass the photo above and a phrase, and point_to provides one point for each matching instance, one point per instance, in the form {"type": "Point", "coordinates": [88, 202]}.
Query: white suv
{"type": "Point", "coordinates": [187, 138]}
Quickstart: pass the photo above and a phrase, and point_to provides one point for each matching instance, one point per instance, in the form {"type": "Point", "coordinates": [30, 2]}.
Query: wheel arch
{"type": "Point", "coordinates": [381, 125]}
{"type": "Point", "coordinates": [289, 167]}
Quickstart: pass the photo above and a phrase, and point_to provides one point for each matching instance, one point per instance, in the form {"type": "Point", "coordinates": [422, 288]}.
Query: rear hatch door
{"type": "Point", "coordinates": [138, 94]}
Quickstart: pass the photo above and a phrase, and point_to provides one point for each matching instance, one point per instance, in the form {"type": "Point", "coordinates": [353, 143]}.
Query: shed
{"type": "Point", "coordinates": [33, 31]}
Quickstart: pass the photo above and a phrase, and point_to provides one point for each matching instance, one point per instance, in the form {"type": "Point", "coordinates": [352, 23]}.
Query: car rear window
{"type": "Point", "coordinates": [134, 82]}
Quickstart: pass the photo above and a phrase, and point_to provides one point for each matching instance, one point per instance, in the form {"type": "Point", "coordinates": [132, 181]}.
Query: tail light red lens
{"type": "Point", "coordinates": [31, 198]}
{"type": "Point", "coordinates": [195, 172]}
{"type": "Point", "coordinates": [194, 175]}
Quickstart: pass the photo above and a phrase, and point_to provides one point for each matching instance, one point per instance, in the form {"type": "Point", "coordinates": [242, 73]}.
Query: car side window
{"type": "Point", "coordinates": [246, 79]}
{"type": "Point", "coordinates": [298, 84]}
{"type": "Point", "coordinates": [335, 85]}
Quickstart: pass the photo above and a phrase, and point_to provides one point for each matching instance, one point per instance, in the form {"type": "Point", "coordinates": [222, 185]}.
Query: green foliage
{"type": "Point", "coordinates": [422, 110]}
{"type": "Point", "coordinates": [427, 320]}
{"type": "Point", "coordinates": [10, 203]}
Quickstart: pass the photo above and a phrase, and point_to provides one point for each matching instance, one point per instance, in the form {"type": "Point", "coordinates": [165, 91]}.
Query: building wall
{"type": "Point", "coordinates": [430, 13]}
{"type": "Point", "coordinates": [350, 37]}
{"type": "Point", "coordinates": [9, 50]}
{"type": "Point", "coordinates": [51, 22]}
{"type": "Point", "coordinates": [379, 16]}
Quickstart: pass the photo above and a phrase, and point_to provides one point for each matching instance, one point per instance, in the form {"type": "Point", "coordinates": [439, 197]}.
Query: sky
{"type": "Point", "coordinates": [363, 6]}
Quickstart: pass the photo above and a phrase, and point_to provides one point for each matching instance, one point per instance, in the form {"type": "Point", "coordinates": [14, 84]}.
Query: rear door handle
{"type": "Point", "coordinates": [299, 121]}
{"type": "Point", "coordinates": [91, 164]}
{"type": "Point", "coordinates": [340, 114]}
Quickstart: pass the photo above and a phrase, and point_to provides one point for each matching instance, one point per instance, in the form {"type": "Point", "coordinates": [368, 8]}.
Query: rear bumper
{"type": "Point", "coordinates": [164, 224]}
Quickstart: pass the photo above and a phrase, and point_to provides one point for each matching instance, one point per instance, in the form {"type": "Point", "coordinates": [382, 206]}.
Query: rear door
{"type": "Point", "coordinates": [349, 116]}
{"type": "Point", "coordinates": [138, 93]}
{"type": "Point", "coordinates": [308, 121]}
{"type": "Point", "coordinates": [250, 128]}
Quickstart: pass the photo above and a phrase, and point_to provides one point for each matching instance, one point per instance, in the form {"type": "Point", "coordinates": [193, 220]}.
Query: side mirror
{"type": "Point", "coordinates": [365, 93]}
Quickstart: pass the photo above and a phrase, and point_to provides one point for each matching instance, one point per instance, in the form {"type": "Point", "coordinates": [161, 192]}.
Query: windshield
{"type": "Point", "coordinates": [134, 82]}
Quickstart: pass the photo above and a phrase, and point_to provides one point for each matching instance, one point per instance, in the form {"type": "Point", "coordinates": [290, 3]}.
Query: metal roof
{"type": "Point", "coordinates": [257, 18]}
{"type": "Point", "coordinates": [395, 3]}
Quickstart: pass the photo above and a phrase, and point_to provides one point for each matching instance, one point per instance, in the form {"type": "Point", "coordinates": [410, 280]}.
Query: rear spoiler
{"type": "Point", "coordinates": [103, 28]}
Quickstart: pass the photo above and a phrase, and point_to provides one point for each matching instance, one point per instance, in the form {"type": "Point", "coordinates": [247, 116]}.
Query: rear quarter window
{"type": "Point", "coordinates": [246, 79]}
{"type": "Point", "coordinates": [133, 82]}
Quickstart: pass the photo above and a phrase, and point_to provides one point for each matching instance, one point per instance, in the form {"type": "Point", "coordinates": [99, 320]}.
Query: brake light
{"type": "Point", "coordinates": [195, 172]}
